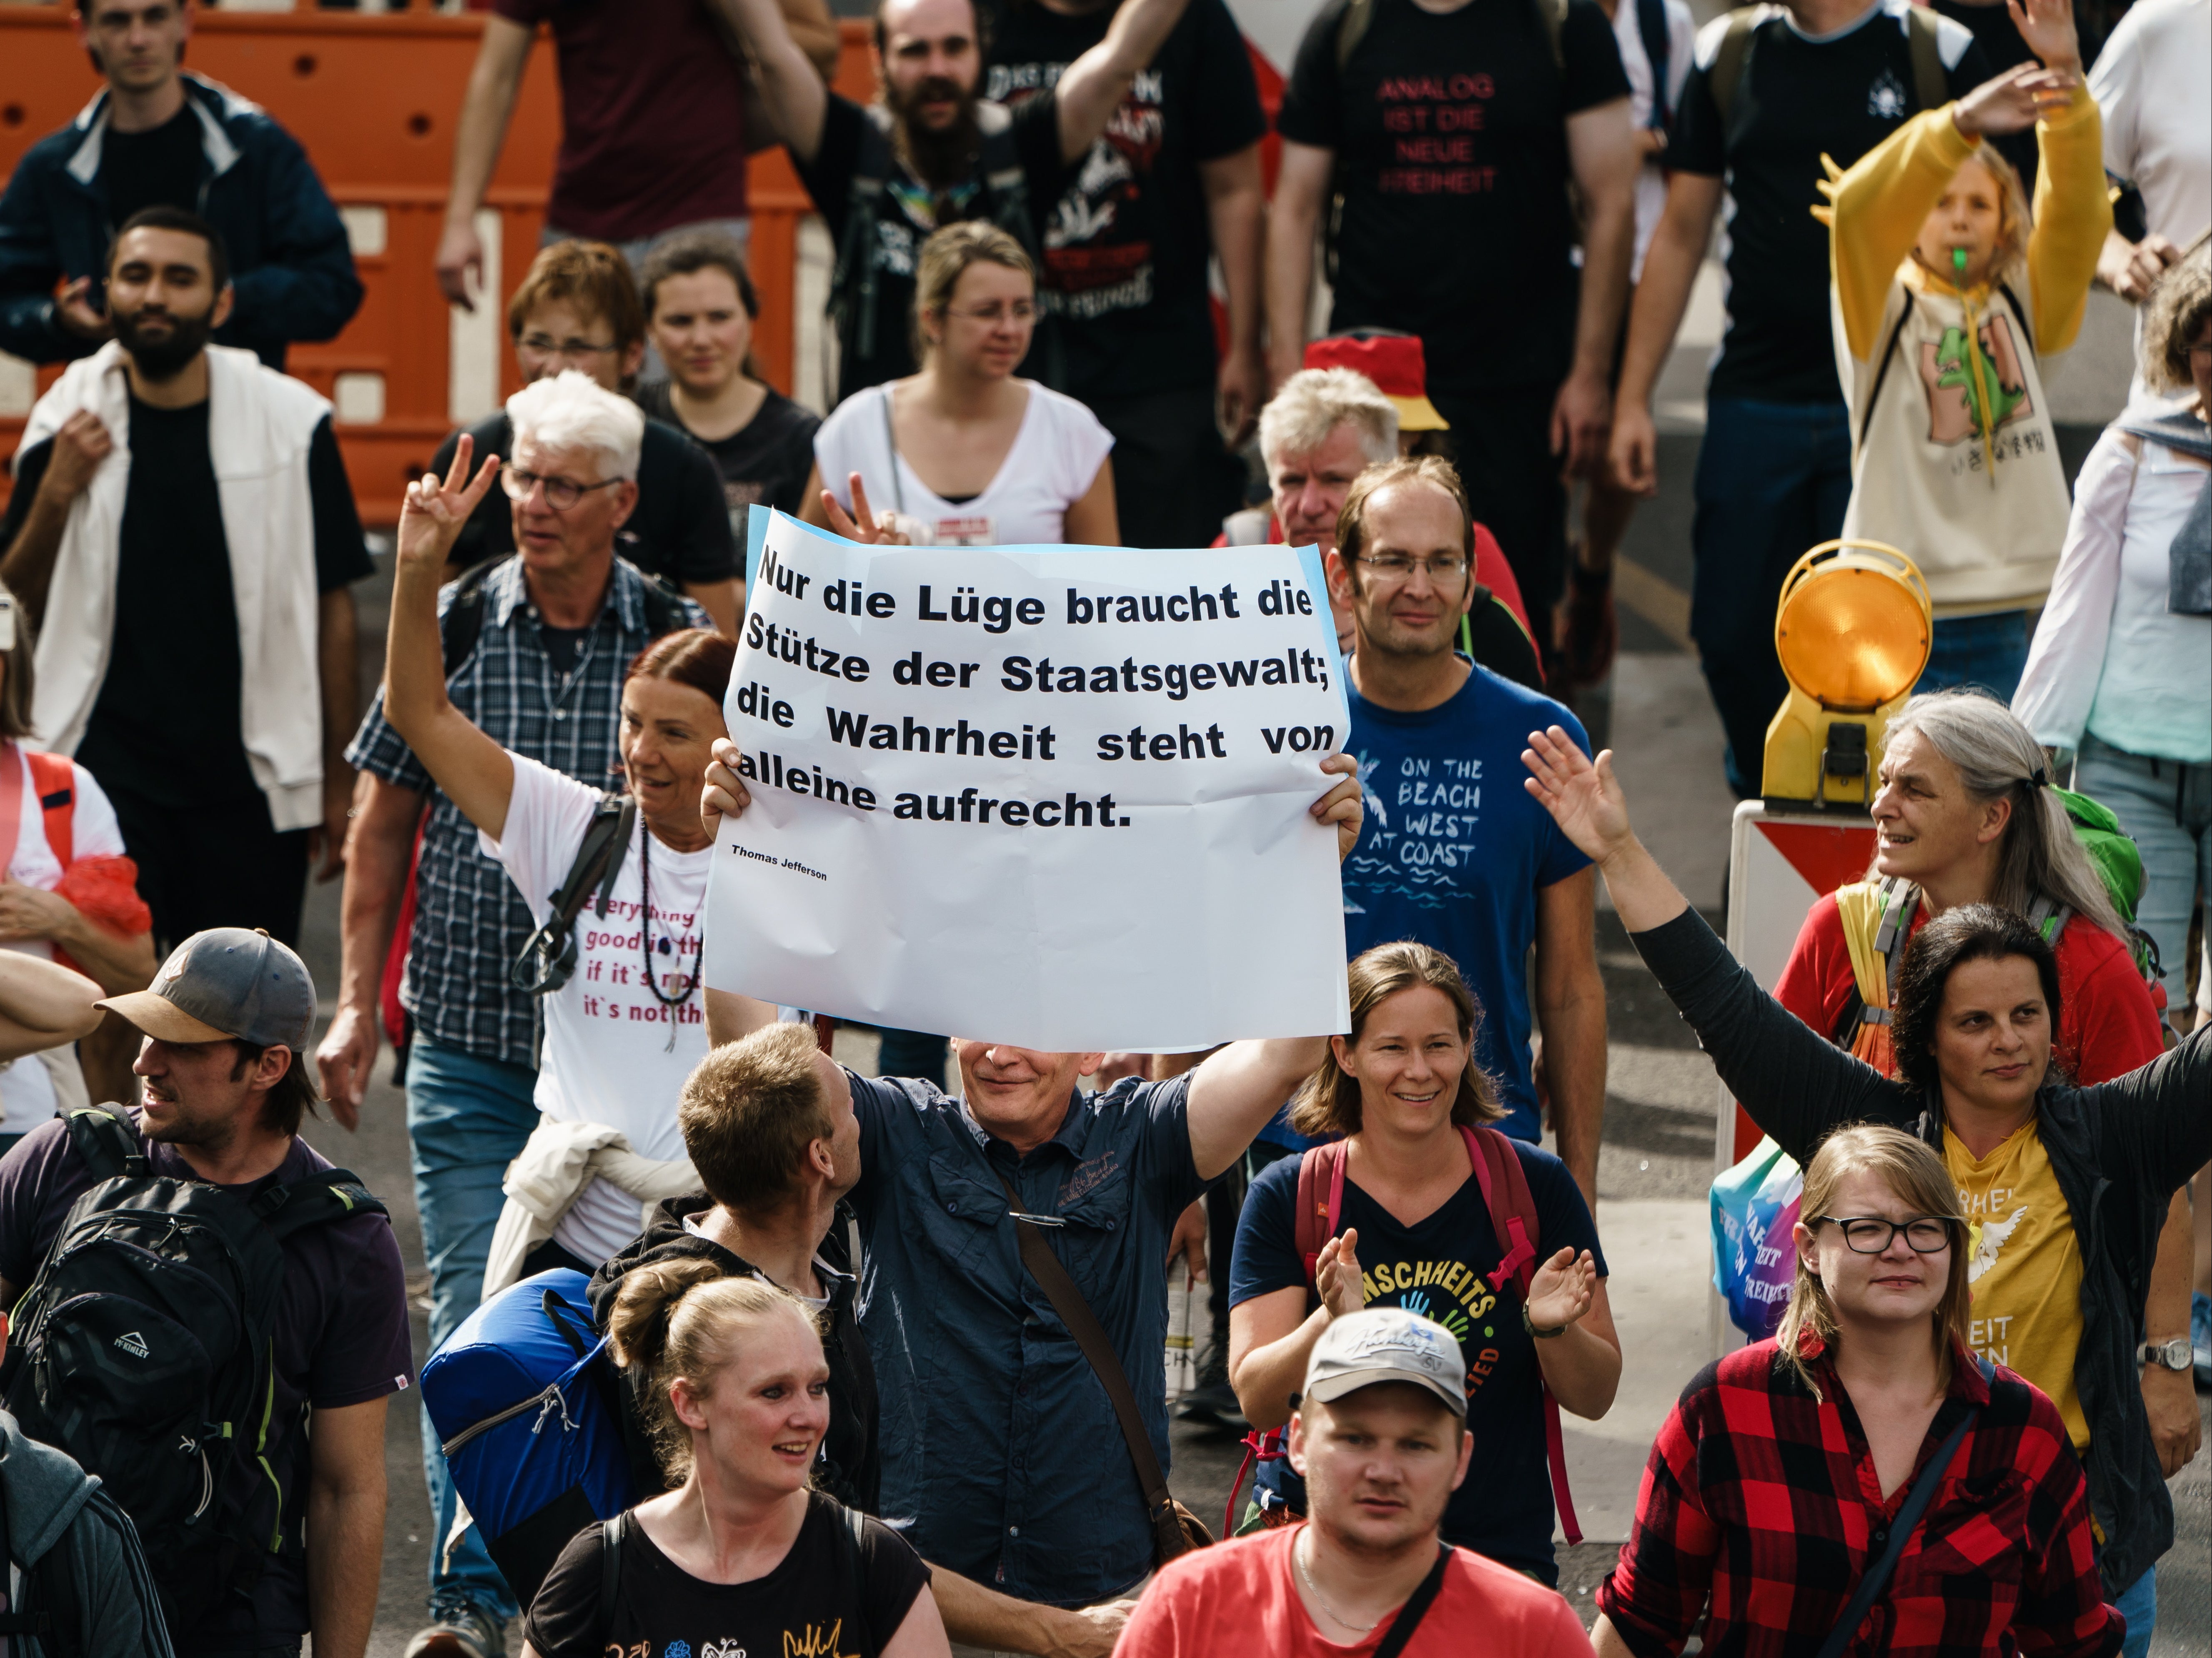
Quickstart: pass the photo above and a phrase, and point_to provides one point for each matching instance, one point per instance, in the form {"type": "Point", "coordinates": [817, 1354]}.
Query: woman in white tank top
{"type": "Point", "coordinates": [964, 453]}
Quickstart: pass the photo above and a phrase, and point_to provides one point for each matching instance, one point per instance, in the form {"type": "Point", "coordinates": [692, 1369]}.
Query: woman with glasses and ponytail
{"type": "Point", "coordinates": [966, 453]}
{"type": "Point", "coordinates": [2065, 1187]}
{"type": "Point", "coordinates": [1862, 1479]}
{"type": "Point", "coordinates": [624, 1015]}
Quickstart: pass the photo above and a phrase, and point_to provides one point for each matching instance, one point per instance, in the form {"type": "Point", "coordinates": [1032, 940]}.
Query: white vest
{"type": "Point", "coordinates": [259, 426]}
{"type": "Point", "coordinates": [1920, 473]}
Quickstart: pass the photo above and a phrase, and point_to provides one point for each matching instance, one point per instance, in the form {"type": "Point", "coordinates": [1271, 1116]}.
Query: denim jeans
{"type": "Point", "coordinates": [1986, 653]}
{"type": "Point", "coordinates": [467, 1118]}
{"type": "Point", "coordinates": [2167, 807]}
{"type": "Point", "coordinates": [2138, 1604]}
{"type": "Point", "coordinates": [1773, 479]}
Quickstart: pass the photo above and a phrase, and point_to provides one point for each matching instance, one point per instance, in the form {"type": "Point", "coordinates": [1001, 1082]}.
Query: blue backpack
{"type": "Point", "coordinates": [523, 1397]}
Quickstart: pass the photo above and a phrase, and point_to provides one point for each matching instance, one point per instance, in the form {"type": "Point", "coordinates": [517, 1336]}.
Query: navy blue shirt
{"type": "Point", "coordinates": [1453, 851]}
{"type": "Point", "coordinates": [1503, 1509]}
{"type": "Point", "coordinates": [1002, 1458]}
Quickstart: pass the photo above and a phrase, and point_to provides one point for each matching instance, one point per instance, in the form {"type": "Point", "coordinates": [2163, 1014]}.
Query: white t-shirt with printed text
{"type": "Point", "coordinates": [26, 1090]}
{"type": "Point", "coordinates": [608, 1057]}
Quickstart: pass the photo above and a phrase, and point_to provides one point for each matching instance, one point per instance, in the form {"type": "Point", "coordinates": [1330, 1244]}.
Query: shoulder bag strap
{"type": "Point", "coordinates": [1416, 1607]}
{"type": "Point", "coordinates": [1877, 1576]}
{"type": "Point", "coordinates": [1931, 87]}
{"type": "Point", "coordinates": [1083, 1324]}
{"type": "Point", "coordinates": [1512, 1209]}
{"type": "Point", "coordinates": [1726, 75]}
{"type": "Point", "coordinates": [891, 449]}
{"type": "Point", "coordinates": [610, 1542]}
{"type": "Point", "coordinates": [55, 779]}
{"type": "Point", "coordinates": [104, 1138]}
{"type": "Point", "coordinates": [457, 629]}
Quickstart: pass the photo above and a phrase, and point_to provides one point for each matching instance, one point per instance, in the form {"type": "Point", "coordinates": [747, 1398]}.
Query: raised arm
{"type": "Point", "coordinates": [796, 97]}
{"type": "Point", "coordinates": [1795, 1083]}
{"type": "Point", "coordinates": [472, 770]}
{"type": "Point", "coordinates": [2154, 1120]}
{"type": "Point", "coordinates": [1091, 87]}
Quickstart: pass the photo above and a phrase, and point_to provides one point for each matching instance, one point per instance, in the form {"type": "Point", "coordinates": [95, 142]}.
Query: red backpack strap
{"type": "Point", "coordinates": [1512, 1208]}
{"type": "Point", "coordinates": [55, 779]}
{"type": "Point", "coordinates": [1318, 1216]}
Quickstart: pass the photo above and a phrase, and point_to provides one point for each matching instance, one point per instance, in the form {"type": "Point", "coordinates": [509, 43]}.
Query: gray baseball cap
{"type": "Point", "coordinates": [1387, 1344]}
{"type": "Point", "coordinates": [229, 982]}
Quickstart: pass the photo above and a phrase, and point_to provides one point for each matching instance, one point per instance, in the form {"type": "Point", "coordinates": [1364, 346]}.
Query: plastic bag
{"type": "Point", "coordinates": [1754, 1259]}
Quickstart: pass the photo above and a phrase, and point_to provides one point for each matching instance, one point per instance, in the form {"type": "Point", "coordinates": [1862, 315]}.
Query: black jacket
{"type": "Point", "coordinates": [2119, 1151]}
{"type": "Point", "coordinates": [291, 265]}
{"type": "Point", "coordinates": [850, 1467]}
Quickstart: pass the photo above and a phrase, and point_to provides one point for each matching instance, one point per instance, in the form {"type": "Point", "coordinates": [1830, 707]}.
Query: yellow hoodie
{"type": "Point", "coordinates": [1954, 459]}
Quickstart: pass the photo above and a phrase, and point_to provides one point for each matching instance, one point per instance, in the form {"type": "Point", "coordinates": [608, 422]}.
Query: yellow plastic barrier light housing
{"type": "Point", "coordinates": [1853, 630]}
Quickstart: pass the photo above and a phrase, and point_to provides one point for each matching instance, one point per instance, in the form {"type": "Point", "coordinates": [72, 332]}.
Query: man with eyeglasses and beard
{"type": "Point", "coordinates": [184, 538]}
{"type": "Point", "coordinates": [1452, 853]}
{"type": "Point", "coordinates": [929, 152]}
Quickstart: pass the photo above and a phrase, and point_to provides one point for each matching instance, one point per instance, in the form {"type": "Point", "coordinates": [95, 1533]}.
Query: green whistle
{"type": "Point", "coordinates": [1959, 263]}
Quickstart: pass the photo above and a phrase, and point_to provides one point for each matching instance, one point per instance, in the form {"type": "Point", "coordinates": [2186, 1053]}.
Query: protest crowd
{"type": "Point", "coordinates": [874, 1363]}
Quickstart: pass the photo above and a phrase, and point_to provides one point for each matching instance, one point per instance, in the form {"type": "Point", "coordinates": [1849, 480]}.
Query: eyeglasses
{"type": "Point", "coordinates": [544, 345]}
{"type": "Point", "coordinates": [1869, 1235]}
{"type": "Point", "coordinates": [1446, 570]}
{"type": "Point", "coordinates": [1019, 311]}
{"type": "Point", "coordinates": [560, 494]}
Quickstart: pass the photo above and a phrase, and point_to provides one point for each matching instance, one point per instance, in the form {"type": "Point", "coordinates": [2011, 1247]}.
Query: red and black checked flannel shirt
{"type": "Point", "coordinates": [1766, 1502]}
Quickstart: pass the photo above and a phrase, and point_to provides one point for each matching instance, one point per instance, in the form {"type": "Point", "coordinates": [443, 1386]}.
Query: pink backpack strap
{"type": "Point", "coordinates": [1518, 1266]}
{"type": "Point", "coordinates": [1317, 1221]}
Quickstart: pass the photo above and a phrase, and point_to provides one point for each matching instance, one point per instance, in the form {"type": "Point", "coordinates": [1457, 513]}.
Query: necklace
{"type": "Point", "coordinates": [1308, 1577]}
{"type": "Point", "coordinates": [689, 981]}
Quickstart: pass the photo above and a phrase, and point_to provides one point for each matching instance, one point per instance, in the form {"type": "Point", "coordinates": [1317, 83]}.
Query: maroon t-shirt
{"type": "Point", "coordinates": [341, 1337]}
{"type": "Point", "coordinates": [653, 116]}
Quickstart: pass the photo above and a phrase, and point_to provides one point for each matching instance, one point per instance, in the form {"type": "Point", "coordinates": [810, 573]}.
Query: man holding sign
{"type": "Point", "coordinates": [1004, 1459]}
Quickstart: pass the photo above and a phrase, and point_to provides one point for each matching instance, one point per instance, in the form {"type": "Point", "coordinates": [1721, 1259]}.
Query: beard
{"type": "Point", "coordinates": [162, 357]}
{"type": "Point", "coordinates": [938, 158]}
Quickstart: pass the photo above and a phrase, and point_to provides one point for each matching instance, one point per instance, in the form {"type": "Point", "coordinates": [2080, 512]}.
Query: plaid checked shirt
{"type": "Point", "coordinates": [1766, 1503]}
{"type": "Point", "coordinates": [470, 921]}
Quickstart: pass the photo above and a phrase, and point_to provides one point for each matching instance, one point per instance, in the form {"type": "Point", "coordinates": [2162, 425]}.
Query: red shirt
{"type": "Point", "coordinates": [1238, 1596]}
{"type": "Point", "coordinates": [2108, 1025]}
{"type": "Point", "coordinates": [1764, 1502]}
{"type": "Point", "coordinates": [653, 116]}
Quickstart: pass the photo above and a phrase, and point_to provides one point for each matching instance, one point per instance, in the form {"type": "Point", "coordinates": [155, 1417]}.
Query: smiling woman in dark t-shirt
{"type": "Point", "coordinates": [1416, 1232]}
{"type": "Point", "coordinates": [741, 1556]}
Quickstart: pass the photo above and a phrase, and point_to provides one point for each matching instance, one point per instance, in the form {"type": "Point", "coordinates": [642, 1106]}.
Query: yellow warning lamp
{"type": "Point", "coordinates": [1853, 630]}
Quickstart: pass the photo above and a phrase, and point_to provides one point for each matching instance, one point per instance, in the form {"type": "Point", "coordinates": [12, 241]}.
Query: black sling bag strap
{"type": "Point", "coordinates": [548, 959]}
{"type": "Point", "coordinates": [1877, 1575]}
{"type": "Point", "coordinates": [1416, 1607]}
{"type": "Point", "coordinates": [1170, 1538]}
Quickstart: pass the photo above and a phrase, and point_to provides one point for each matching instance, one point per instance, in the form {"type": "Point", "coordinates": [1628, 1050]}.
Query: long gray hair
{"type": "Point", "coordinates": [1998, 759]}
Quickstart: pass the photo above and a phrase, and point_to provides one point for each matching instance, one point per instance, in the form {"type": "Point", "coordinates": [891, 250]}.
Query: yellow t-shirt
{"type": "Point", "coordinates": [2024, 1266]}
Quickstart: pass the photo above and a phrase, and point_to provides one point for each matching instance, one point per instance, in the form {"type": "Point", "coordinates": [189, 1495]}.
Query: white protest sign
{"type": "Point", "coordinates": [1055, 797]}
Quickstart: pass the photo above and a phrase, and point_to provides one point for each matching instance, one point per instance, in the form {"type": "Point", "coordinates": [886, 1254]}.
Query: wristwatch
{"type": "Point", "coordinates": [1529, 1325]}
{"type": "Point", "coordinates": [2173, 1354]}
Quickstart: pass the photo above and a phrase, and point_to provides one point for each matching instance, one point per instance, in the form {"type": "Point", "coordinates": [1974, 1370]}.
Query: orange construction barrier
{"type": "Point", "coordinates": [375, 101]}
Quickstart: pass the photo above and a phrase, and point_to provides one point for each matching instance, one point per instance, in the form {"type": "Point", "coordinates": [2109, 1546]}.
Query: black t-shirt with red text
{"type": "Point", "coordinates": [1126, 245]}
{"type": "Point", "coordinates": [1452, 132]}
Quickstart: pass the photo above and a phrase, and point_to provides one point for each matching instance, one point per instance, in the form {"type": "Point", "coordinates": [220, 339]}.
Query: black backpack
{"type": "Point", "coordinates": [143, 1349]}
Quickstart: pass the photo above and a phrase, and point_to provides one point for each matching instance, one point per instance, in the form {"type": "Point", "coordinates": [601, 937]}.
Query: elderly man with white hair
{"type": "Point", "coordinates": [535, 650]}
{"type": "Point", "coordinates": [1321, 430]}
